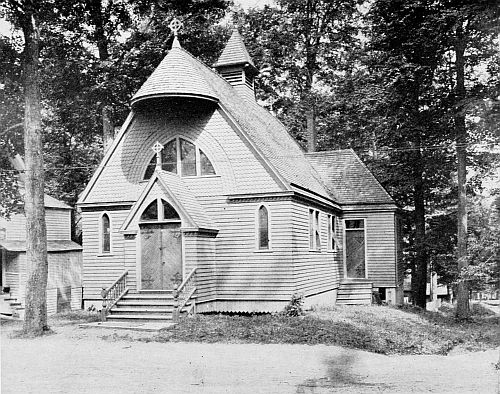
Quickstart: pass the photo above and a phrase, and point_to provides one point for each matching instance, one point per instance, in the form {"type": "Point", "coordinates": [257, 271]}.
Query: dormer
{"type": "Point", "coordinates": [236, 66]}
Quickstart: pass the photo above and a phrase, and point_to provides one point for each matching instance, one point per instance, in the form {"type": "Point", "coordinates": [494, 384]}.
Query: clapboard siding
{"type": "Point", "coordinates": [237, 168]}
{"type": "Point", "coordinates": [241, 270]}
{"type": "Point", "coordinates": [64, 270]}
{"type": "Point", "coordinates": [314, 271]}
{"type": "Point", "coordinates": [380, 246]}
{"type": "Point", "coordinates": [58, 223]}
{"type": "Point", "coordinates": [199, 253]}
{"type": "Point", "coordinates": [101, 270]}
{"type": "Point", "coordinates": [15, 227]}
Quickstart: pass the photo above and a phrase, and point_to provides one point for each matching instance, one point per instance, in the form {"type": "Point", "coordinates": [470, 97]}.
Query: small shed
{"type": "Point", "coordinates": [64, 286]}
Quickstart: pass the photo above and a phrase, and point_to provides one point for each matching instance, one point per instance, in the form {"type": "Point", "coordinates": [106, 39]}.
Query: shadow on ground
{"type": "Point", "coordinates": [340, 375]}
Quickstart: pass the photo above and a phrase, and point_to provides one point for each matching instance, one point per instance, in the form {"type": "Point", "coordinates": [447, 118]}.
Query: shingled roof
{"type": "Point", "coordinates": [268, 134]}
{"type": "Point", "coordinates": [235, 53]}
{"type": "Point", "coordinates": [347, 178]}
{"type": "Point", "coordinates": [175, 76]}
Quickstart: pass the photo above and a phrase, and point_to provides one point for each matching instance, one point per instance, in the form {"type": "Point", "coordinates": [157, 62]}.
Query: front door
{"type": "Point", "coordinates": [355, 249]}
{"type": "Point", "coordinates": [161, 256]}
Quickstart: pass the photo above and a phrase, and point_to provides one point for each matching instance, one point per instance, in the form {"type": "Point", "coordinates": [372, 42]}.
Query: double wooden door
{"type": "Point", "coordinates": [161, 256]}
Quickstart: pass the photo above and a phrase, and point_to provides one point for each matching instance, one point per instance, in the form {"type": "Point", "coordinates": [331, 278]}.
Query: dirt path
{"type": "Point", "coordinates": [100, 361]}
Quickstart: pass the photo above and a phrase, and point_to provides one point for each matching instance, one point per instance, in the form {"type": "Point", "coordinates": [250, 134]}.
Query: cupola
{"type": "Point", "coordinates": [236, 66]}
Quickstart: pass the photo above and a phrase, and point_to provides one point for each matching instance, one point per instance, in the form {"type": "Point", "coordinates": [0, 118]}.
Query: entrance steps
{"type": "Point", "coordinates": [10, 306]}
{"type": "Point", "coordinates": [143, 307]}
{"type": "Point", "coordinates": [355, 292]}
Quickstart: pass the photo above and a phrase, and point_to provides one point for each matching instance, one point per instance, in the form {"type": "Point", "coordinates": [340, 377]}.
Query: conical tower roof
{"type": "Point", "coordinates": [178, 75]}
{"type": "Point", "coordinates": [235, 53]}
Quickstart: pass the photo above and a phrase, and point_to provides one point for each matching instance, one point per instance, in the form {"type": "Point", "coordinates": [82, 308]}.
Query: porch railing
{"type": "Point", "coordinates": [112, 294]}
{"type": "Point", "coordinates": [183, 294]}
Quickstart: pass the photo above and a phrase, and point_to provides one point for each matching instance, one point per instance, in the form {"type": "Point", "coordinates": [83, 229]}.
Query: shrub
{"type": "Point", "coordinates": [295, 307]}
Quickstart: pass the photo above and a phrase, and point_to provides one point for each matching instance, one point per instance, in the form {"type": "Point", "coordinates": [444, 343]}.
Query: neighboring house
{"type": "Point", "coordinates": [203, 184]}
{"type": "Point", "coordinates": [64, 285]}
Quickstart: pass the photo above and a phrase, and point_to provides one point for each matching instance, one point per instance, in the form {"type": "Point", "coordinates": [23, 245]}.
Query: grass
{"type": "Point", "coordinates": [379, 329]}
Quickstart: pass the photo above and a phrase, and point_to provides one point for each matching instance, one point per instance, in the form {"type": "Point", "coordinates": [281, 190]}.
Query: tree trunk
{"type": "Point", "coordinates": [35, 321]}
{"type": "Point", "coordinates": [311, 129]}
{"type": "Point", "coordinates": [108, 129]}
{"type": "Point", "coordinates": [462, 311]}
{"type": "Point", "coordinates": [97, 17]}
{"type": "Point", "coordinates": [419, 276]}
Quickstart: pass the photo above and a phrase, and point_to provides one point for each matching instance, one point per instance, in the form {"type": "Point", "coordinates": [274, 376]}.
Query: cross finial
{"type": "Point", "coordinates": [175, 25]}
{"type": "Point", "coordinates": [157, 148]}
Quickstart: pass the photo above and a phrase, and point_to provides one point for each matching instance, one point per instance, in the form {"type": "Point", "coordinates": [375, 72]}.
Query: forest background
{"type": "Point", "coordinates": [412, 86]}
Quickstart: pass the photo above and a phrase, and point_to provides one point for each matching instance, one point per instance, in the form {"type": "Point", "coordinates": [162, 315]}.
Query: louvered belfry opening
{"type": "Point", "coordinates": [236, 66]}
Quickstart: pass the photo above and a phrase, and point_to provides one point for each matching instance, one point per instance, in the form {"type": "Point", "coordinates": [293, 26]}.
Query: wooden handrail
{"type": "Point", "coordinates": [112, 294]}
{"type": "Point", "coordinates": [185, 281]}
{"type": "Point", "coordinates": [105, 292]}
{"type": "Point", "coordinates": [183, 293]}
{"type": "Point", "coordinates": [188, 297]}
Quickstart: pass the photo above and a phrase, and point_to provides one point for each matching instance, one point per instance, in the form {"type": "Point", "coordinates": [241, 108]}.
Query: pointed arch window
{"type": "Point", "coordinates": [151, 212]}
{"type": "Point", "coordinates": [169, 213]}
{"type": "Point", "coordinates": [105, 234]}
{"type": "Point", "coordinates": [263, 228]}
{"type": "Point", "coordinates": [183, 157]}
{"type": "Point", "coordinates": [159, 210]}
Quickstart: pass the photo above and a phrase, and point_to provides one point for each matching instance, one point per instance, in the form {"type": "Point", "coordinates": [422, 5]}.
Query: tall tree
{"type": "Point", "coordinates": [302, 46]}
{"type": "Point", "coordinates": [26, 15]}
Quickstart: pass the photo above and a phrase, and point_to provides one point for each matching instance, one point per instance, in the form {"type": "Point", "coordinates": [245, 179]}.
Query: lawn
{"type": "Point", "coordinates": [379, 329]}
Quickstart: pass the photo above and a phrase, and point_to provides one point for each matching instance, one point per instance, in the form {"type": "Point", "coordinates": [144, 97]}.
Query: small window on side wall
{"type": "Point", "coordinates": [332, 238]}
{"type": "Point", "coordinates": [105, 234]}
{"type": "Point", "coordinates": [263, 228]}
{"type": "Point", "coordinates": [314, 230]}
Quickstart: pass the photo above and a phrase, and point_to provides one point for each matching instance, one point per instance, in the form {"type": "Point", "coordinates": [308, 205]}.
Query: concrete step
{"type": "Point", "coordinates": [354, 296]}
{"type": "Point", "coordinates": [145, 303]}
{"type": "Point", "coordinates": [139, 317]}
{"type": "Point", "coordinates": [368, 290]}
{"type": "Point", "coordinates": [151, 296]}
{"type": "Point", "coordinates": [141, 310]}
{"type": "Point", "coordinates": [355, 286]}
{"type": "Point", "coordinates": [354, 302]}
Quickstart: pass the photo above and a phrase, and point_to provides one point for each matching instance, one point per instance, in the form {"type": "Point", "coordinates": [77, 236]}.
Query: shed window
{"type": "Point", "coordinates": [180, 153]}
{"type": "Point", "coordinates": [105, 234]}
{"type": "Point", "coordinates": [314, 230]}
{"type": "Point", "coordinates": [263, 228]}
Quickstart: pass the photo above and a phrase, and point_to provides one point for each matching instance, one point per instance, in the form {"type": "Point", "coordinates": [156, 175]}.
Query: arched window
{"type": "Point", "coordinates": [159, 212]}
{"type": "Point", "coordinates": [206, 167]}
{"type": "Point", "coordinates": [263, 229]}
{"type": "Point", "coordinates": [188, 158]}
{"type": "Point", "coordinates": [181, 156]}
{"type": "Point", "coordinates": [105, 234]}
{"type": "Point", "coordinates": [169, 213]}
{"type": "Point", "coordinates": [151, 212]}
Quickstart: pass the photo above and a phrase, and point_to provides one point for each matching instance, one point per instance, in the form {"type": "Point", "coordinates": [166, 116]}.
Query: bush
{"type": "Point", "coordinates": [295, 306]}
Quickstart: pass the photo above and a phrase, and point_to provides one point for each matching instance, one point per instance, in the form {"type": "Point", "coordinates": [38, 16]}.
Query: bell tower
{"type": "Point", "coordinates": [236, 66]}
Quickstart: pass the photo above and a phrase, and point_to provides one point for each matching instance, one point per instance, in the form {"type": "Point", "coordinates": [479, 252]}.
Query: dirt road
{"type": "Point", "coordinates": [94, 360]}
